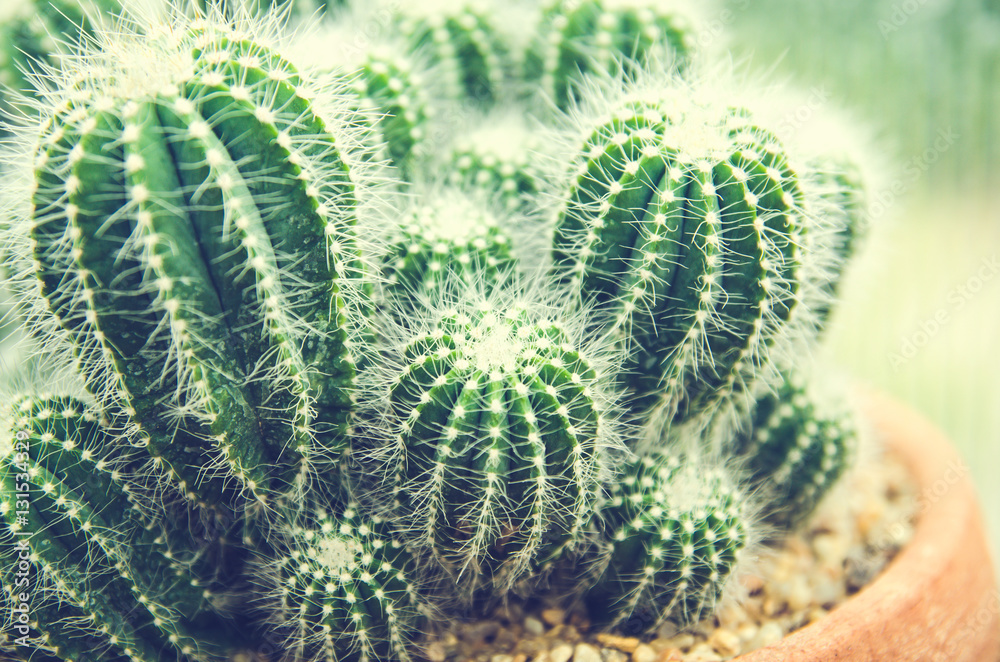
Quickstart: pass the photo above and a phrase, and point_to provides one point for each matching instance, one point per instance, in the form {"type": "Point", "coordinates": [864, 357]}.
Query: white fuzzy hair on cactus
{"type": "Point", "coordinates": [145, 54]}
{"type": "Point", "coordinates": [498, 345]}
{"type": "Point", "coordinates": [698, 116]}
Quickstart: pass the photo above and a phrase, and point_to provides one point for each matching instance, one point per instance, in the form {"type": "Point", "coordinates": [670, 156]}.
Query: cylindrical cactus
{"type": "Point", "coordinates": [670, 535]}
{"type": "Point", "coordinates": [347, 589]}
{"type": "Point", "coordinates": [392, 86]}
{"type": "Point", "coordinates": [801, 440]}
{"type": "Point", "coordinates": [499, 436]}
{"type": "Point", "coordinates": [685, 223]}
{"type": "Point", "coordinates": [192, 236]}
{"type": "Point", "coordinates": [109, 572]}
{"type": "Point", "coordinates": [463, 41]}
{"type": "Point", "coordinates": [580, 36]}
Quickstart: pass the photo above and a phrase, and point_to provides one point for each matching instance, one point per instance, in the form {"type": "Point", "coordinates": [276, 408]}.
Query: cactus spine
{"type": "Point", "coordinates": [683, 223]}
{"type": "Point", "coordinates": [193, 234]}
{"type": "Point", "coordinates": [671, 532]}
{"type": "Point", "coordinates": [348, 590]}
{"type": "Point", "coordinates": [801, 440]}
{"type": "Point", "coordinates": [500, 430]}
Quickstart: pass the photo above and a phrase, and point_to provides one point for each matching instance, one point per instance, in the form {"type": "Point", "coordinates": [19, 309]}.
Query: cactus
{"type": "Point", "coordinates": [581, 36]}
{"type": "Point", "coordinates": [312, 400]}
{"type": "Point", "coordinates": [671, 532]}
{"type": "Point", "coordinates": [801, 440]}
{"type": "Point", "coordinates": [391, 84]}
{"type": "Point", "coordinates": [446, 235]}
{"type": "Point", "coordinates": [193, 238]}
{"type": "Point", "coordinates": [498, 153]}
{"type": "Point", "coordinates": [686, 223]}
{"type": "Point", "coordinates": [500, 435]}
{"type": "Point", "coordinates": [464, 43]}
{"type": "Point", "coordinates": [34, 32]}
{"type": "Point", "coordinates": [113, 575]}
{"type": "Point", "coordinates": [348, 590]}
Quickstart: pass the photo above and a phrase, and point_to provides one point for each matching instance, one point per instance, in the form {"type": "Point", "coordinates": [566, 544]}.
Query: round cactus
{"type": "Point", "coordinates": [801, 440]}
{"type": "Point", "coordinates": [464, 43]}
{"type": "Point", "coordinates": [348, 590]}
{"type": "Point", "coordinates": [670, 535]}
{"type": "Point", "coordinates": [499, 432]}
{"type": "Point", "coordinates": [445, 236]}
{"type": "Point", "coordinates": [685, 223]}
{"type": "Point", "coordinates": [498, 153]}
{"type": "Point", "coordinates": [111, 574]}
{"type": "Point", "coordinates": [191, 237]}
{"type": "Point", "coordinates": [581, 36]}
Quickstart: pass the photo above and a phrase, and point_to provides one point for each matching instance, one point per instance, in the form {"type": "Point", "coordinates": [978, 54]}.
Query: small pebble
{"type": "Point", "coordinates": [682, 641]}
{"type": "Point", "coordinates": [534, 626]}
{"type": "Point", "coordinates": [624, 644]}
{"type": "Point", "coordinates": [554, 616]}
{"type": "Point", "coordinates": [643, 653]}
{"type": "Point", "coordinates": [725, 642]}
{"type": "Point", "coordinates": [769, 633]}
{"type": "Point", "coordinates": [561, 653]}
{"type": "Point", "coordinates": [586, 653]}
{"type": "Point", "coordinates": [436, 652]}
{"type": "Point", "coordinates": [702, 653]}
{"type": "Point", "coordinates": [611, 655]}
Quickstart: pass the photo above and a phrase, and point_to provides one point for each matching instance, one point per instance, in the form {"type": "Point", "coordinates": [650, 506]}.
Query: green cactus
{"type": "Point", "coordinates": [670, 535]}
{"type": "Point", "coordinates": [390, 84]}
{"type": "Point", "coordinates": [685, 223]}
{"type": "Point", "coordinates": [844, 198]}
{"type": "Point", "coordinates": [34, 32]}
{"type": "Point", "coordinates": [498, 153]}
{"type": "Point", "coordinates": [801, 440]}
{"type": "Point", "coordinates": [464, 42]}
{"type": "Point", "coordinates": [348, 590]}
{"type": "Point", "coordinates": [500, 431]}
{"type": "Point", "coordinates": [581, 36]}
{"type": "Point", "coordinates": [192, 234]}
{"type": "Point", "coordinates": [444, 236]}
{"type": "Point", "coordinates": [112, 575]}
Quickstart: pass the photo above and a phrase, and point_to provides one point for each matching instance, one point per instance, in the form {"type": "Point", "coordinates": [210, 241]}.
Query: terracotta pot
{"type": "Point", "coordinates": [938, 600]}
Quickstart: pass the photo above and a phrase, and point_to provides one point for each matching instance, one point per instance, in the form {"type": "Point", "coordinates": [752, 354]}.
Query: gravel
{"type": "Point", "coordinates": [792, 583]}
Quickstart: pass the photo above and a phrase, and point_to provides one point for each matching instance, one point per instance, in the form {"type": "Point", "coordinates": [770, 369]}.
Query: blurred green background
{"type": "Point", "coordinates": [921, 312]}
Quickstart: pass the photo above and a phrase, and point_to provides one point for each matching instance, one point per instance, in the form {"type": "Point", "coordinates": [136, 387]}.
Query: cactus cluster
{"type": "Point", "coordinates": [359, 316]}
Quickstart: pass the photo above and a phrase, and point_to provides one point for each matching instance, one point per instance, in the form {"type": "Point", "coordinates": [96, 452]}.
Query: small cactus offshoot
{"type": "Point", "coordinates": [685, 223]}
{"type": "Point", "coordinates": [670, 532]}
{"type": "Point", "coordinates": [348, 590]}
{"type": "Point", "coordinates": [801, 439]}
